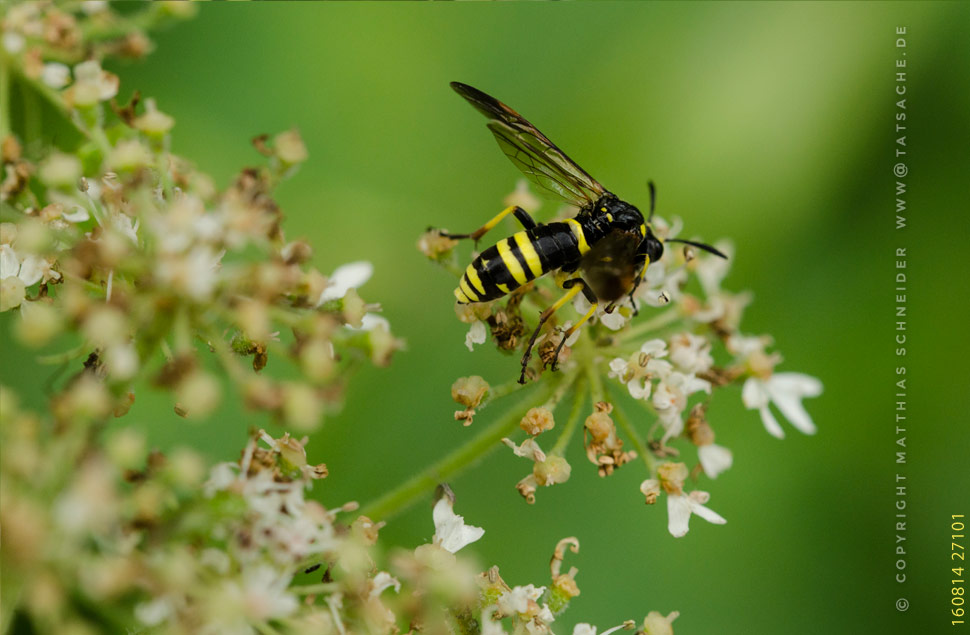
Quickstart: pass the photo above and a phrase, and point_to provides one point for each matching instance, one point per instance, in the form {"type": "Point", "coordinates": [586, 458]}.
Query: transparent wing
{"type": "Point", "coordinates": [532, 152]}
{"type": "Point", "coordinates": [610, 267]}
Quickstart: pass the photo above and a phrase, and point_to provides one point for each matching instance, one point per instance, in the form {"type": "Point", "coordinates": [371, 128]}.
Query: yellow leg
{"type": "Point", "coordinates": [520, 213]}
{"type": "Point", "coordinates": [572, 329]}
{"type": "Point", "coordinates": [572, 293]}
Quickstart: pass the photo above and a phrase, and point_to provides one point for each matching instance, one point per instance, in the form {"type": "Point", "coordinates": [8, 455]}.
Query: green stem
{"type": "Point", "coordinates": [657, 322]}
{"type": "Point", "coordinates": [575, 413]}
{"type": "Point", "coordinates": [596, 391]}
{"type": "Point", "coordinates": [487, 440]}
{"type": "Point", "coordinates": [631, 432]}
{"type": "Point", "coordinates": [4, 98]}
{"type": "Point", "coordinates": [314, 589]}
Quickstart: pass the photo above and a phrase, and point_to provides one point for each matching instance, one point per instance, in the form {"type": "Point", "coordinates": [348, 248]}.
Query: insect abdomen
{"type": "Point", "coordinates": [522, 257]}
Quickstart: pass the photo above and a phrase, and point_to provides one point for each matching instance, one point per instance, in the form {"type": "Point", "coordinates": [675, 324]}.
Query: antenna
{"type": "Point", "coordinates": [653, 199]}
{"type": "Point", "coordinates": [700, 245]}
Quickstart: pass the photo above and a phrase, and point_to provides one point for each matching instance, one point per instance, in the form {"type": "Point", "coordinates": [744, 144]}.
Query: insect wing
{"type": "Point", "coordinates": [532, 152]}
{"type": "Point", "coordinates": [610, 266]}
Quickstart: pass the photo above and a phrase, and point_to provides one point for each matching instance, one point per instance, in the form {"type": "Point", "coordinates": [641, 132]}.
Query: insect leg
{"type": "Point", "coordinates": [574, 286]}
{"type": "Point", "coordinates": [591, 298]}
{"type": "Point", "coordinates": [519, 213]}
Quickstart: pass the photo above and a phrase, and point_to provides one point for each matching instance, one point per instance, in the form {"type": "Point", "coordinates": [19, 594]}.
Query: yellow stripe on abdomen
{"type": "Point", "coordinates": [473, 278]}
{"type": "Point", "coordinates": [529, 253]}
{"type": "Point", "coordinates": [578, 233]}
{"type": "Point", "coordinates": [510, 261]}
{"type": "Point", "coordinates": [466, 288]}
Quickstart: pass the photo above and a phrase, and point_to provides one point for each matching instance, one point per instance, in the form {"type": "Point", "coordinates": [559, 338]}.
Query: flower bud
{"type": "Point", "coordinates": [12, 293]}
{"type": "Point", "coordinates": [126, 448]}
{"type": "Point", "coordinates": [536, 421]}
{"type": "Point", "coordinates": [198, 394]}
{"type": "Point", "coordinates": [105, 325]}
{"type": "Point", "coordinates": [469, 391]}
{"type": "Point", "coordinates": [185, 468]}
{"type": "Point", "coordinates": [657, 624]}
{"type": "Point", "coordinates": [555, 469]}
{"type": "Point", "coordinates": [38, 324]}
{"type": "Point", "coordinates": [354, 308]}
{"type": "Point", "coordinates": [289, 147]}
{"type": "Point", "coordinates": [129, 155]}
{"type": "Point", "coordinates": [60, 170]}
{"type": "Point", "coordinates": [302, 409]}
{"type": "Point", "coordinates": [316, 359]}
{"type": "Point", "coordinates": [154, 123]}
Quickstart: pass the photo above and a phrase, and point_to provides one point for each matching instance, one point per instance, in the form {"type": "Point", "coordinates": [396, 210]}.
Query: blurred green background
{"type": "Point", "coordinates": [769, 123]}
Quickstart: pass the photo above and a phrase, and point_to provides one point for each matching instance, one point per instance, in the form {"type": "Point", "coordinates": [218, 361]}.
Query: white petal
{"type": "Point", "coordinates": [584, 629]}
{"type": "Point", "coordinates": [753, 394]}
{"type": "Point", "coordinates": [651, 486]}
{"type": "Point", "coordinates": [371, 321]}
{"type": "Point", "coordinates": [654, 348]}
{"type": "Point", "coordinates": [346, 277]}
{"type": "Point", "coordinates": [639, 389]}
{"type": "Point", "coordinates": [771, 424]}
{"type": "Point", "coordinates": [617, 367]}
{"type": "Point", "coordinates": [32, 269]}
{"type": "Point", "coordinates": [714, 459]}
{"type": "Point", "coordinates": [451, 532]}
{"type": "Point", "coordinates": [695, 384]}
{"type": "Point", "coordinates": [678, 515]}
{"type": "Point", "coordinates": [475, 335]}
{"type": "Point", "coordinates": [796, 383]}
{"type": "Point", "coordinates": [613, 321]}
{"type": "Point", "coordinates": [791, 406]}
{"type": "Point", "coordinates": [79, 215]}
{"type": "Point", "coordinates": [383, 581]}
{"type": "Point", "coordinates": [9, 263]}
{"type": "Point", "coordinates": [55, 75]}
{"type": "Point", "coordinates": [787, 391]}
{"type": "Point", "coordinates": [707, 514]}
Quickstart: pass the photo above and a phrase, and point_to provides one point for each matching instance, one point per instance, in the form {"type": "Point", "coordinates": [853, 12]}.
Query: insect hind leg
{"type": "Point", "coordinates": [574, 287]}
{"type": "Point", "coordinates": [520, 214]}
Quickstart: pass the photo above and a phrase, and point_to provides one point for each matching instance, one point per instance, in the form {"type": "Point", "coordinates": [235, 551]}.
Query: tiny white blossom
{"type": "Point", "coordinates": [55, 75]}
{"type": "Point", "coordinates": [371, 321]}
{"type": "Point", "coordinates": [529, 449]}
{"type": "Point", "coordinates": [681, 506]}
{"type": "Point", "coordinates": [516, 600]}
{"type": "Point", "coordinates": [383, 581]}
{"type": "Point", "coordinates": [786, 391]}
{"type": "Point", "coordinates": [714, 459]}
{"type": "Point", "coordinates": [661, 285]}
{"type": "Point", "coordinates": [691, 353]}
{"type": "Point", "coordinates": [29, 268]}
{"type": "Point", "coordinates": [154, 612]}
{"type": "Point", "coordinates": [264, 591]}
{"type": "Point", "coordinates": [13, 42]}
{"type": "Point", "coordinates": [670, 400]}
{"type": "Point", "coordinates": [450, 531]}
{"type": "Point", "coordinates": [346, 277]}
{"type": "Point", "coordinates": [90, 7]}
{"type": "Point", "coordinates": [476, 334]}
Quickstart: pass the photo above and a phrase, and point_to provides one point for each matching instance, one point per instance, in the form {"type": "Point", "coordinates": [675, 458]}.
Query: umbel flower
{"type": "Point", "coordinates": [648, 381]}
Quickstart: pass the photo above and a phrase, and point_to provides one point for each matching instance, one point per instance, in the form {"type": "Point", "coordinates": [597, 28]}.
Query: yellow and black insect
{"type": "Point", "coordinates": [607, 245]}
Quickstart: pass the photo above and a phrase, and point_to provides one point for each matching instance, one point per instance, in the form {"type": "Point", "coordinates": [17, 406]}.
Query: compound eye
{"type": "Point", "coordinates": [655, 249]}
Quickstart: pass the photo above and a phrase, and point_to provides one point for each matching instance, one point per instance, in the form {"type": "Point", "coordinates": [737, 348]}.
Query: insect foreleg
{"type": "Point", "coordinates": [591, 298]}
{"type": "Point", "coordinates": [643, 273]}
{"type": "Point", "coordinates": [574, 286]}
{"type": "Point", "coordinates": [520, 214]}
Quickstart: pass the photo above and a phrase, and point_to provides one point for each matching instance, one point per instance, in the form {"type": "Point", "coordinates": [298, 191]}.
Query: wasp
{"type": "Point", "coordinates": [604, 250]}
